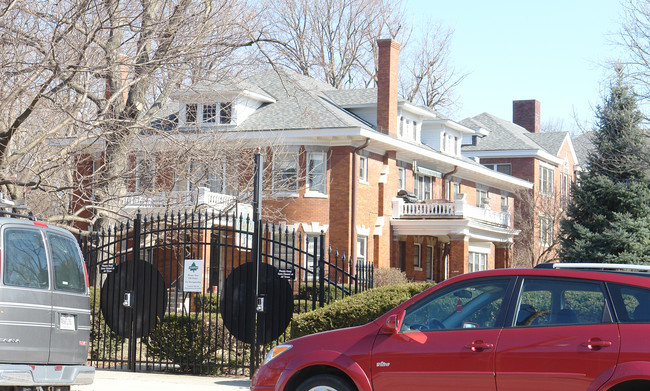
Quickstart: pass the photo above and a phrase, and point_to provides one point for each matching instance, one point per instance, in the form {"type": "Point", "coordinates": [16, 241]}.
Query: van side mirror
{"type": "Point", "coordinates": [393, 323]}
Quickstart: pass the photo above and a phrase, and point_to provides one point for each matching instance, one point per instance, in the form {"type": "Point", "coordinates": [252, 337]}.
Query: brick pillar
{"type": "Point", "coordinates": [340, 198]}
{"type": "Point", "coordinates": [458, 255]}
{"type": "Point", "coordinates": [387, 189]}
{"type": "Point", "coordinates": [387, 78]}
{"type": "Point", "coordinates": [503, 256]}
{"type": "Point", "coordinates": [526, 113]}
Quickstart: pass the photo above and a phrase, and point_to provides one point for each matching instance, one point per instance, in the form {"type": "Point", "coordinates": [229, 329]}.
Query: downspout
{"type": "Point", "coordinates": [444, 180]}
{"type": "Point", "coordinates": [355, 180]}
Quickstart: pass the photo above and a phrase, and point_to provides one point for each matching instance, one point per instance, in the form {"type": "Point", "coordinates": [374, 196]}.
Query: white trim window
{"type": "Point", "coordinates": [477, 262]}
{"type": "Point", "coordinates": [225, 113]}
{"type": "Point", "coordinates": [317, 172]}
{"type": "Point", "coordinates": [545, 181]}
{"type": "Point", "coordinates": [504, 168]}
{"type": "Point", "coordinates": [362, 249]}
{"type": "Point", "coordinates": [417, 256]}
{"type": "Point", "coordinates": [401, 178]}
{"type": "Point", "coordinates": [545, 231]}
{"type": "Point", "coordinates": [191, 113]}
{"type": "Point", "coordinates": [285, 174]}
{"type": "Point", "coordinates": [423, 187]}
{"type": "Point", "coordinates": [363, 169]}
{"type": "Point", "coordinates": [210, 113]}
{"type": "Point", "coordinates": [482, 196]}
{"type": "Point", "coordinates": [565, 190]}
{"type": "Point", "coordinates": [429, 262]}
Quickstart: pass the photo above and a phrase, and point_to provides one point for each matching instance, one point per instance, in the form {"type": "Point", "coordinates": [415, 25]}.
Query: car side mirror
{"type": "Point", "coordinates": [393, 323]}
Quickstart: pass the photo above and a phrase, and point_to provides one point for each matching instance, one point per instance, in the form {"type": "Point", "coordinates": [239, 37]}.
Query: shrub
{"type": "Point", "coordinates": [206, 303]}
{"type": "Point", "coordinates": [306, 292]}
{"type": "Point", "coordinates": [385, 277]}
{"type": "Point", "coordinates": [355, 310]}
{"type": "Point", "coordinates": [184, 340]}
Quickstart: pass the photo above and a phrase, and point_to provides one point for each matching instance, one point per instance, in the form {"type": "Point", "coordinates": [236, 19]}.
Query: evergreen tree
{"type": "Point", "coordinates": [608, 218]}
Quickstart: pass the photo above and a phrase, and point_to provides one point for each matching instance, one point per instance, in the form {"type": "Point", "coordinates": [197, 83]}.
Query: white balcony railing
{"type": "Point", "coordinates": [443, 209]}
{"type": "Point", "coordinates": [201, 196]}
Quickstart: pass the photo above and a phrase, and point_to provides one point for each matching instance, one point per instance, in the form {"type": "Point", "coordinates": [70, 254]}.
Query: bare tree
{"type": "Point", "coordinates": [429, 79]}
{"type": "Point", "coordinates": [336, 41]}
{"type": "Point", "coordinates": [537, 216]}
{"type": "Point", "coordinates": [94, 76]}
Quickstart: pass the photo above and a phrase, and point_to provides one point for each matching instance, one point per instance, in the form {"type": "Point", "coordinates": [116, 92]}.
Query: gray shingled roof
{"type": "Point", "coordinates": [353, 97]}
{"type": "Point", "coordinates": [507, 136]}
{"type": "Point", "coordinates": [583, 145]}
{"type": "Point", "coordinates": [301, 103]}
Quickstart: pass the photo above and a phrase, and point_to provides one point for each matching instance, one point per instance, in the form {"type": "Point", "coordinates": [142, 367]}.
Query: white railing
{"type": "Point", "coordinates": [202, 196]}
{"type": "Point", "coordinates": [442, 209]}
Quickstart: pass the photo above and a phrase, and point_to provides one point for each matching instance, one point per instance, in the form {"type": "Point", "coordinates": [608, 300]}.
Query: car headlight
{"type": "Point", "coordinates": [276, 351]}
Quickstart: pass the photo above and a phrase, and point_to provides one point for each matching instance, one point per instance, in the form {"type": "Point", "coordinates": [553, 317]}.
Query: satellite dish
{"type": "Point", "coordinates": [238, 303]}
{"type": "Point", "coordinates": [147, 300]}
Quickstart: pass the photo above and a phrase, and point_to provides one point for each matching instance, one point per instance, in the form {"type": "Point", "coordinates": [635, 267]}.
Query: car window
{"type": "Point", "coordinates": [546, 302]}
{"type": "Point", "coordinates": [632, 303]}
{"type": "Point", "coordinates": [470, 305]}
{"type": "Point", "coordinates": [25, 260]}
{"type": "Point", "coordinates": [68, 268]}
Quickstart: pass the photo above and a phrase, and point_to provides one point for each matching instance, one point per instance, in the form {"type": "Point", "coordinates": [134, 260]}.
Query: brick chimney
{"type": "Point", "coordinates": [387, 77]}
{"type": "Point", "coordinates": [525, 113]}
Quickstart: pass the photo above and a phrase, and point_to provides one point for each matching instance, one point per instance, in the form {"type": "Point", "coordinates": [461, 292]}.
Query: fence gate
{"type": "Point", "coordinates": [178, 292]}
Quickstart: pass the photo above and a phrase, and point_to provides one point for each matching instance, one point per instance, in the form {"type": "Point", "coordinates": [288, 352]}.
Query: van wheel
{"type": "Point", "coordinates": [325, 383]}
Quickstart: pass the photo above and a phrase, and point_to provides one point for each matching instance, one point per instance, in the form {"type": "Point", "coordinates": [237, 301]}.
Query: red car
{"type": "Point", "coordinates": [559, 327]}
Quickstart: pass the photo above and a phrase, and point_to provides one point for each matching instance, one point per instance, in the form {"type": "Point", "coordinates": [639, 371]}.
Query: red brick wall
{"type": "Point", "coordinates": [387, 77]}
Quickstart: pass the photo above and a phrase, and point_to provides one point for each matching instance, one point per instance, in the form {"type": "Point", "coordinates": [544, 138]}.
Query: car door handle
{"type": "Point", "coordinates": [478, 346]}
{"type": "Point", "coordinates": [595, 344]}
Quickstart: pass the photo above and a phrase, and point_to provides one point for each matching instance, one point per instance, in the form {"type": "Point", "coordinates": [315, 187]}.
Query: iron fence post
{"type": "Point", "coordinates": [131, 358]}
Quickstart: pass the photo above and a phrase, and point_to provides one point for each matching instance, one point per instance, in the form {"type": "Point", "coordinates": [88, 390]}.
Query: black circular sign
{"type": "Point", "coordinates": [238, 303]}
{"type": "Point", "coordinates": [148, 298]}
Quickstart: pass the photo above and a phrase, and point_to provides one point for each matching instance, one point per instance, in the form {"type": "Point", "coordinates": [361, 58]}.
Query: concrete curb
{"type": "Point", "coordinates": [140, 381]}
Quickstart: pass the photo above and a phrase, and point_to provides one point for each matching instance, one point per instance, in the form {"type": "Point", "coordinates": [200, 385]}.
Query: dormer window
{"type": "Point", "coordinates": [190, 113]}
{"type": "Point", "coordinates": [225, 114]}
{"type": "Point", "coordinates": [210, 113]}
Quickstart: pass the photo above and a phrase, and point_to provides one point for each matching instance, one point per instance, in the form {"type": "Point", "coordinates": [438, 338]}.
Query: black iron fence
{"type": "Point", "coordinates": [181, 292]}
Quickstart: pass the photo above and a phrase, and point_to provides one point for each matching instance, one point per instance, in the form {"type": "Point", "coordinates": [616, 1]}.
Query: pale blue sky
{"type": "Point", "coordinates": [554, 51]}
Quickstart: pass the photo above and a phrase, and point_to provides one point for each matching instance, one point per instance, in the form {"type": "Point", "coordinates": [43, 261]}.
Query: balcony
{"type": "Point", "coordinates": [458, 209]}
{"type": "Point", "coordinates": [179, 199]}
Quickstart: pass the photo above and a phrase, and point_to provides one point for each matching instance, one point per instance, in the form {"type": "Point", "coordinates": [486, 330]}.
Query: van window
{"type": "Point", "coordinates": [68, 270]}
{"type": "Point", "coordinates": [24, 259]}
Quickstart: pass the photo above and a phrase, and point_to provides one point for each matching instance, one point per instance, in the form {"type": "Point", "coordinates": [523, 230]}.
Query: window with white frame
{"type": "Point", "coordinates": [210, 113]}
{"type": "Point", "coordinates": [225, 113]}
{"type": "Point", "coordinates": [417, 256]}
{"type": "Point", "coordinates": [504, 168]}
{"type": "Point", "coordinates": [282, 247]}
{"type": "Point", "coordinates": [545, 181]}
{"type": "Point", "coordinates": [423, 187]}
{"type": "Point", "coordinates": [482, 196]}
{"type": "Point", "coordinates": [145, 171]}
{"type": "Point", "coordinates": [565, 190]}
{"type": "Point", "coordinates": [191, 111]}
{"type": "Point", "coordinates": [363, 169]}
{"type": "Point", "coordinates": [310, 260]}
{"type": "Point", "coordinates": [456, 187]}
{"type": "Point", "coordinates": [285, 174]}
{"type": "Point", "coordinates": [429, 262]}
{"type": "Point", "coordinates": [401, 178]}
{"type": "Point", "coordinates": [316, 172]}
{"type": "Point", "coordinates": [477, 262]}
{"type": "Point", "coordinates": [545, 231]}
{"type": "Point", "coordinates": [362, 248]}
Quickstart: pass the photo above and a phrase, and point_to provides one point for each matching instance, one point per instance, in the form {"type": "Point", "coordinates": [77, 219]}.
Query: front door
{"type": "Point", "coordinates": [447, 340]}
{"type": "Point", "coordinates": [562, 337]}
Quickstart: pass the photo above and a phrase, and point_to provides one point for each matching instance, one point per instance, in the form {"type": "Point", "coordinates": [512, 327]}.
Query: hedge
{"type": "Point", "coordinates": [355, 310]}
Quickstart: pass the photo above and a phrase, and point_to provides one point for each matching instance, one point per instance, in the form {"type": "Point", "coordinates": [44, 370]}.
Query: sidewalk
{"type": "Point", "coordinates": [137, 381]}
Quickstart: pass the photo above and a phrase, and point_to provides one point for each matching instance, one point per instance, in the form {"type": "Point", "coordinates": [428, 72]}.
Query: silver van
{"type": "Point", "coordinates": [44, 308]}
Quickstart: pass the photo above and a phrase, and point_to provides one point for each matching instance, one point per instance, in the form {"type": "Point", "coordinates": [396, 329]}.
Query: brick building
{"type": "Point", "coordinates": [546, 159]}
{"type": "Point", "coordinates": [343, 158]}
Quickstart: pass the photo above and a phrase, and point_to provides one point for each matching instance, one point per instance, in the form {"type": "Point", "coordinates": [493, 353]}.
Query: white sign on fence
{"type": "Point", "coordinates": [193, 275]}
